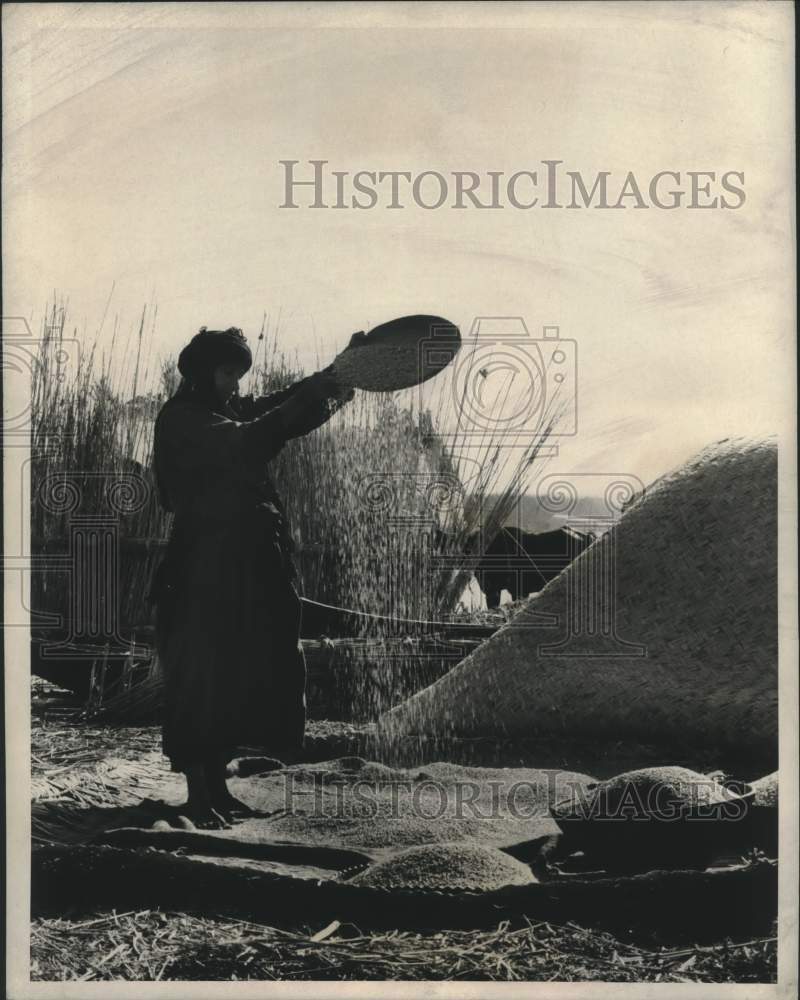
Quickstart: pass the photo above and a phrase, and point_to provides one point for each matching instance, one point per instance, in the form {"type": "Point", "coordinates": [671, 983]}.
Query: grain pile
{"type": "Point", "coordinates": [352, 803]}
{"type": "Point", "coordinates": [347, 802]}
{"type": "Point", "coordinates": [693, 564]}
{"type": "Point", "coordinates": [447, 866]}
{"type": "Point", "coordinates": [766, 790]}
{"type": "Point", "coordinates": [646, 791]}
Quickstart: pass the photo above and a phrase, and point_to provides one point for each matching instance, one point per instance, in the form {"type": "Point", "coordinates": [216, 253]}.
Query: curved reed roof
{"type": "Point", "coordinates": [664, 631]}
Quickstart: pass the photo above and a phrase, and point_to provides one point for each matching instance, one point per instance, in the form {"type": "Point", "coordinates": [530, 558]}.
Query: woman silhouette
{"type": "Point", "coordinates": [226, 608]}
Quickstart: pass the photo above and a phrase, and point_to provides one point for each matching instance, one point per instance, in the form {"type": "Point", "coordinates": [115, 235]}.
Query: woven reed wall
{"type": "Point", "coordinates": [696, 585]}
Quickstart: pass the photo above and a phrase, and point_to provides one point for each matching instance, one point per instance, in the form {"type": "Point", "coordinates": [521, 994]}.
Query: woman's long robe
{"type": "Point", "coordinates": [227, 611]}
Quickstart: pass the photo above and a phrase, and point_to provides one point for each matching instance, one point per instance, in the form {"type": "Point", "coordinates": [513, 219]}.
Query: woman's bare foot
{"type": "Point", "coordinates": [204, 816]}
{"type": "Point", "coordinates": [230, 806]}
{"type": "Point", "coordinates": [221, 799]}
{"type": "Point", "coordinates": [200, 808]}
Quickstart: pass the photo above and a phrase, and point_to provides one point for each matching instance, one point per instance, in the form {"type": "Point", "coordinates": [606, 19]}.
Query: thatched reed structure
{"type": "Point", "coordinates": [662, 632]}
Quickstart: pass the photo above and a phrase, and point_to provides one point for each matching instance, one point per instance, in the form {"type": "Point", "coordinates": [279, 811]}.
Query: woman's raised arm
{"type": "Point", "coordinates": [303, 407]}
{"type": "Point", "coordinates": [194, 444]}
{"type": "Point", "coordinates": [196, 438]}
{"type": "Point", "coordinates": [249, 407]}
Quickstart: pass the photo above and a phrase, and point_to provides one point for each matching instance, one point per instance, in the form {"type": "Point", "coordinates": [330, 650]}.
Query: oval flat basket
{"type": "Point", "coordinates": [401, 353]}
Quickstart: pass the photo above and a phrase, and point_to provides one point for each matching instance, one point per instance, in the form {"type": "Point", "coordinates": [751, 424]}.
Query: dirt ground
{"type": "Point", "coordinates": [92, 767]}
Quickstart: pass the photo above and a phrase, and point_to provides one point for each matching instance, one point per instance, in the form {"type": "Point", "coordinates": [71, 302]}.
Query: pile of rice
{"type": "Point", "coordinates": [356, 804]}
{"type": "Point", "coordinates": [447, 866]}
{"type": "Point", "coordinates": [645, 791]}
{"type": "Point", "coordinates": [766, 790]}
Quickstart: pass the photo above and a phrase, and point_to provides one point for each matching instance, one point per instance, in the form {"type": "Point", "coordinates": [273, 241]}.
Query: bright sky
{"type": "Point", "coordinates": [141, 155]}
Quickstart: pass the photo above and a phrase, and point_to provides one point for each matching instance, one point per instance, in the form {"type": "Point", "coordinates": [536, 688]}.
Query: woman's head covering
{"type": "Point", "coordinates": [210, 348]}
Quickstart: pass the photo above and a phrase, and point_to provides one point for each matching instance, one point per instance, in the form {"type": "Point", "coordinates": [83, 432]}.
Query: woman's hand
{"type": "Point", "coordinates": [308, 407]}
{"type": "Point", "coordinates": [329, 383]}
{"type": "Point", "coordinates": [327, 386]}
{"type": "Point", "coordinates": [357, 340]}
